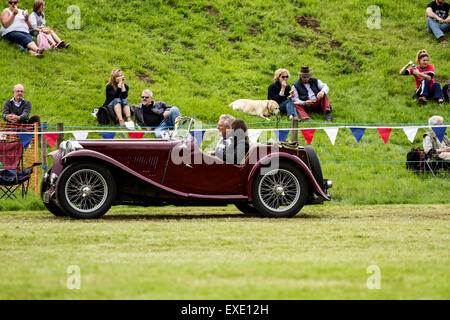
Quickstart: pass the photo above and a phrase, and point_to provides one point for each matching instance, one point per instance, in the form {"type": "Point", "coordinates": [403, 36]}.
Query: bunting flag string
{"type": "Point", "coordinates": [282, 134]}
{"type": "Point", "coordinates": [358, 133]}
{"type": "Point", "coordinates": [108, 135]}
{"type": "Point", "coordinates": [384, 133]}
{"type": "Point", "coordinates": [308, 134]}
{"type": "Point", "coordinates": [80, 135]}
{"type": "Point", "coordinates": [332, 133]}
{"type": "Point", "coordinates": [254, 135]}
{"type": "Point", "coordinates": [136, 135]}
{"type": "Point", "coordinates": [411, 133]}
{"type": "Point", "coordinates": [51, 138]}
{"type": "Point", "coordinates": [198, 136]}
{"type": "Point", "coordinates": [25, 139]}
{"type": "Point", "coordinates": [440, 132]}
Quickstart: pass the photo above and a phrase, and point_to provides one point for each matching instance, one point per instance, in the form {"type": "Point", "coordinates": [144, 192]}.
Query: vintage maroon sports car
{"type": "Point", "coordinates": [87, 177]}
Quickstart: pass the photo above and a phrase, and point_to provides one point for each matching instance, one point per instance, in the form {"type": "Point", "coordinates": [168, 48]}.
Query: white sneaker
{"type": "Point", "coordinates": [130, 125]}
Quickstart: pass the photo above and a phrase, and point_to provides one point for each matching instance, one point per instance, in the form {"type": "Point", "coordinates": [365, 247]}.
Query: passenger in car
{"type": "Point", "coordinates": [239, 145]}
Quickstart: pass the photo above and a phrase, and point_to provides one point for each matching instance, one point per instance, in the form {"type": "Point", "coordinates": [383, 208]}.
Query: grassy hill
{"type": "Point", "coordinates": [202, 55]}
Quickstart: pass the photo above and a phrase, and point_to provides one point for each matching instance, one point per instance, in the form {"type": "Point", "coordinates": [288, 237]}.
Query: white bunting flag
{"type": "Point", "coordinates": [253, 135]}
{"type": "Point", "coordinates": [410, 133]}
{"type": "Point", "coordinates": [332, 133]}
{"type": "Point", "coordinates": [80, 135]}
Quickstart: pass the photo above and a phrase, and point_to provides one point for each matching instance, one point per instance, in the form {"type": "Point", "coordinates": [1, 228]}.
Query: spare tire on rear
{"type": "Point", "coordinates": [316, 169]}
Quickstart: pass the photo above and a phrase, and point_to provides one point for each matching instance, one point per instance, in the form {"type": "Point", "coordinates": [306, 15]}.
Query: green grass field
{"type": "Point", "coordinates": [200, 56]}
{"type": "Point", "coordinates": [217, 253]}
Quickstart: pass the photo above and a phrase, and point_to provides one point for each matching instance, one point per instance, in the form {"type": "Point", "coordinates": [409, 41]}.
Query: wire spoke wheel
{"type": "Point", "coordinates": [86, 190]}
{"type": "Point", "coordinates": [279, 190]}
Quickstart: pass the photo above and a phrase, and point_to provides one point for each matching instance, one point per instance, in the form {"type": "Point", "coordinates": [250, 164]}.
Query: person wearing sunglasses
{"type": "Point", "coordinates": [280, 91]}
{"type": "Point", "coordinates": [155, 114]}
{"type": "Point", "coordinates": [16, 28]}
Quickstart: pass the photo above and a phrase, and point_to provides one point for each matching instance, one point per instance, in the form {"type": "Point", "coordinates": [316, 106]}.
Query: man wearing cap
{"type": "Point", "coordinates": [310, 95]}
{"type": "Point", "coordinates": [17, 109]}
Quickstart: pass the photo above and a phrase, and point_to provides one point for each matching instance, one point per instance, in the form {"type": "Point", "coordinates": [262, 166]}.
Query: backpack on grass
{"type": "Point", "coordinates": [415, 160]}
{"type": "Point", "coordinates": [106, 116]}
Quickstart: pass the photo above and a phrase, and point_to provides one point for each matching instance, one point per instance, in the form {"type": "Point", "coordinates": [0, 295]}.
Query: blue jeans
{"type": "Point", "coordinates": [437, 28]}
{"type": "Point", "coordinates": [288, 108]}
{"type": "Point", "coordinates": [123, 102]}
{"type": "Point", "coordinates": [169, 122]}
{"type": "Point", "coordinates": [19, 37]}
{"type": "Point", "coordinates": [434, 91]}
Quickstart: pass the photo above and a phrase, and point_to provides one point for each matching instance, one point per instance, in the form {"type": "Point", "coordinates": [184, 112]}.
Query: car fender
{"type": "Point", "coordinates": [283, 155]}
{"type": "Point", "coordinates": [101, 156]}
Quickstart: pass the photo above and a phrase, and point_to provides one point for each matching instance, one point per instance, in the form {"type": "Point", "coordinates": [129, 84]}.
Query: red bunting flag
{"type": "Point", "coordinates": [384, 133]}
{"type": "Point", "coordinates": [308, 134]}
{"type": "Point", "coordinates": [51, 138]}
{"type": "Point", "coordinates": [135, 135]}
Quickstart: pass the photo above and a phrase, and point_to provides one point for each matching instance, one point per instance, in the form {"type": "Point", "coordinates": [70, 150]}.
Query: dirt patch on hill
{"type": "Point", "coordinates": [211, 11]}
{"type": "Point", "coordinates": [440, 80]}
{"type": "Point", "coordinates": [335, 44]}
{"type": "Point", "coordinates": [309, 23]}
{"type": "Point", "coordinates": [144, 77]}
{"type": "Point", "coordinates": [300, 41]}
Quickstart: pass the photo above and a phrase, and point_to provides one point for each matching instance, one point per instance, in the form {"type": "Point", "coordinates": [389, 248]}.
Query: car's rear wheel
{"type": "Point", "coordinates": [247, 208]}
{"type": "Point", "coordinates": [280, 192]}
{"type": "Point", "coordinates": [85, 190]}
{"type": "Point", "coordinates": [51, 205]}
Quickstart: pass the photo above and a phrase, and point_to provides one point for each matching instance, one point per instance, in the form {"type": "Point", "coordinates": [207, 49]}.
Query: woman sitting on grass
{"type": "Point", "coordinates": [116, 96]}
{"type": "Point", "coordinates": [424, 75]}
{"type": "Point", "coordinates": [37, 20]}
{"type": "Point", "coordinates": [16, 28]}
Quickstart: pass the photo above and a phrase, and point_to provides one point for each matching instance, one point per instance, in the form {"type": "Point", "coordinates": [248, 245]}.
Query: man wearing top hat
{"type": "Point", "coordinates": [310, 95]}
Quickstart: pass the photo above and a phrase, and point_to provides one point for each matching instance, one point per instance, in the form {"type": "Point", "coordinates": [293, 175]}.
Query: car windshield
{"type": "Point", "coordinates": [182, 127]}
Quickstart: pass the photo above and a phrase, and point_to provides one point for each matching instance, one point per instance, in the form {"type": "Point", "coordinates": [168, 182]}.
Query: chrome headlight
{"type": "Point", "coordinates": [68, 146]}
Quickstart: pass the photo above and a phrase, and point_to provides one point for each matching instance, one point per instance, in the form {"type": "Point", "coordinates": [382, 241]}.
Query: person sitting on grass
{"type": "Point", "coordinates": [438, 20]}
{"type": "Point", "coordinates": [38, 25]}
{"type": "Point", "coordinates": [156, 114]}
{"type": "Point", "coordinates": [116, 96]}
{"type": "Point", "coordinates": [424, 74]}
{"type": "Point", "coordinates": [16, 28]}
{"type": "Point", "coordinates": [279, 91]}
{"type": "Point", "coordinates": [432, 146]}
{"type": "Point", "coordinates": [311, 95]}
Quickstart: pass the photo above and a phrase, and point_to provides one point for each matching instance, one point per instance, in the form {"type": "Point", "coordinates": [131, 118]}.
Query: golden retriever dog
{"type": "Point", "coordinates": [262, 108]}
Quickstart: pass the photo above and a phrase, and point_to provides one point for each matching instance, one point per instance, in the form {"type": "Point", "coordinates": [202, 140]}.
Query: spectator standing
{"type": "Point", "coordinates": [38, 25]}
{"type": "Point", "coordinates": [156, 114]}
{"type": "Point", "coordinates": [438, 20]}
{"type": "Point", "coordinates": [280, 91]}
{"type": "Point", "coordinates": [17, 109]}
{"type": "Point", "coordinates": [310, 95]}
{"type": "Point", "coordinates": [16, 28]}
{"type": "Point", "coordinates": [424, 74]}
{"type": "Point", "coordinates": [116, 96]}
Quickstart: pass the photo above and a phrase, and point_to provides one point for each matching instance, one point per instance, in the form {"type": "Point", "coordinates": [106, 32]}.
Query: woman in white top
{"type": "Point", "coordinates": [37, 20]}
{"type": "Point", "coordinates": [16, 26]}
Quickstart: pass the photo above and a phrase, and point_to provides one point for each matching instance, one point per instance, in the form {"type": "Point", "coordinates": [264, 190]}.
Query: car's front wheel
{"type": "Point", "coordinates": [280, 192]}
{"type": "Point", "coordinates": [85, 190]}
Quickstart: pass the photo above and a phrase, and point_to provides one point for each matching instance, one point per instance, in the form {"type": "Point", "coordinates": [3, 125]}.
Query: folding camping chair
{"type": "Point", "coordinates": [13, 175]}
{"type": "Point", "coordinates": [434, 165]}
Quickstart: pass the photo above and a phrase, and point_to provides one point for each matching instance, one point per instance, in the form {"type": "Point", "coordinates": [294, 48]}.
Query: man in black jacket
{"type": "Point", "coordinates": [17, 109]}
{"type": "Point", "coordinates": [280, 92]}
{"type": "Point", "coordinates": [155, 114]}
{"type": "Point", "coordinates": [310, 95]}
